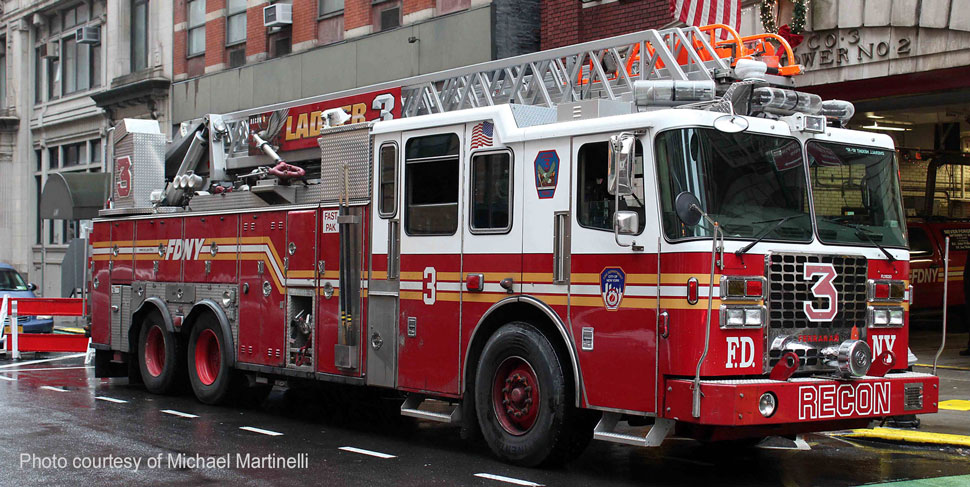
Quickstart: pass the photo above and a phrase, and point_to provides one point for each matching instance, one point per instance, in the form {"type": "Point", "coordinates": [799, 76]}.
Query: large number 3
{"type": "Point", "coordinates": [822, 289]}
{"type": "Point", "coordinates": [428, 283]}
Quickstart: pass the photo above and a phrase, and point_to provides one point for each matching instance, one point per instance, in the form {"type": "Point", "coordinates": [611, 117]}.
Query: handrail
{"type": "Point", "coordinates": [734, 38]}
{"type": "Point", "coordinates": [792, 68]}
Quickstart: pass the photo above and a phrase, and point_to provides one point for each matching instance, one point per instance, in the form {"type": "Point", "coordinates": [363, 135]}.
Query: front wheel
{"type": "Point", "coordinates": [208, 370]}
{"type": "Point", "coordinates": [523, 403]}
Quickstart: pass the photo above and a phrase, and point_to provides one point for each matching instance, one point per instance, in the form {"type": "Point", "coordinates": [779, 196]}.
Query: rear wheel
{"type": "Point", "coordinates": [523, 403]}
{"type": "Point", "coordinates": [158, 354]}
{"type": "Point", "coordinates": [208, 369]}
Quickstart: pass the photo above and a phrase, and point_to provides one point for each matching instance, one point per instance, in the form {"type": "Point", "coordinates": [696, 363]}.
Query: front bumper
{"type": "Point", "coordinates": [799, 400]}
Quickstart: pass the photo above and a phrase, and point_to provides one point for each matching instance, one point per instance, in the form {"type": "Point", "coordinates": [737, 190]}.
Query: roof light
{"type": "Point", "coordinates": [840, 110]}
{"type": "Point", "coordinates": [786, 102]}
{"type": "Point", "coordinates": [672, 92]}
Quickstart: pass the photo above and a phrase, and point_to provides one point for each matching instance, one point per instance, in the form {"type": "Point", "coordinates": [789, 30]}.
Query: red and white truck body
{"type": "Point", "coordinates": [421, 238]}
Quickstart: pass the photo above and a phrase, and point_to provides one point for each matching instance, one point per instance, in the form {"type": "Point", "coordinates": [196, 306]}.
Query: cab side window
{"type": "Point", "coordinates": [594, 205]}
{"type": "Point", "coordinates": [387, 185]}
{"type": "Point", "coordinates": [491, 194]}
{"type": "Point", "coordinates": [431, 185]}
{"type": "Point", "coordinates": [919, 243]}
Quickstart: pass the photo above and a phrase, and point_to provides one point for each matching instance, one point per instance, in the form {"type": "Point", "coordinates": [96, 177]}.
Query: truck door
{"type": "Point", "coordinates": [925, 269]}
{"type": "Point", "coordinates": [383, 289]}
{"type": "Point", "coordinates": [612, 288]}
{"type": "Point", "coordinates": [431, 260]}
{"type": "Point", "coordinates": [262, 245]}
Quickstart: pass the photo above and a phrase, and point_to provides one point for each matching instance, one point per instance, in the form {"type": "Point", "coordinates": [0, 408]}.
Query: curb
{"type": "Point", "coordinates": [908, 436]}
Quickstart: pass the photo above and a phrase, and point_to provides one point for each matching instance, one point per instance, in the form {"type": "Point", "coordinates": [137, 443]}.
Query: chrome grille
{"type": "Point", "coordinates": [788, 290]}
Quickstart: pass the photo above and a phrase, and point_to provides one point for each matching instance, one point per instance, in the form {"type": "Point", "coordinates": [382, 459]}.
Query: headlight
{"type": "Point", "coordinates": [742, 316]}
{"type": "Point", "coordinates": [767, 404]}
{"type": "Point", "coordinates": [885, 316]}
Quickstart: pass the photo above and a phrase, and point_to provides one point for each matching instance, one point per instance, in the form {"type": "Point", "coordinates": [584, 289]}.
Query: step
{"type": "Point", "coordinates": [605, 431]}
{"type": "Point", "coordinates": [412, 404]}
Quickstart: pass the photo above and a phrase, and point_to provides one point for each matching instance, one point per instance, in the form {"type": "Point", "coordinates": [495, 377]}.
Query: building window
{"type": "Point", "coordinates": [38, 76]}
{"type": "Point", "coordinates": [491, 195]}
{"type": "Point", "coordinates": [329, 7]}
{"type": "Point", "coordinates": [53, 158]}
{"type": "Point", "coordinates": [75, 16]}
{"type": "Point", "coordinates": [196, 27]}
{"type": "Point", "coordinates": [431, 185]}
{"type": "Point", "coordinates": [74, 154]}
{"type": "Point", "coordinates": [235, 22]}
{"type": "Point", "coordinates": [390, 17]}
{"type": "Point", "coordinates": [81, 65]}
{"type": "Point", "coordinates": [388, 180]}
{"type": "Point", "coordinates": [3, 78]}
{"type": "Point", "coordinates": [139, 35]}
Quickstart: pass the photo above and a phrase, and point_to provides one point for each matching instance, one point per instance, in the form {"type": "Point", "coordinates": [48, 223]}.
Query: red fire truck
{"type": "Point", "coordinates": [645, 230]}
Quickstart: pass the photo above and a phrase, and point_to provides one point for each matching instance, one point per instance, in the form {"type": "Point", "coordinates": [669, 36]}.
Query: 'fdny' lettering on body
{"type": "Point", "coordinates": [843, 400]}
{"type": "Point", "coordinates": [188, 249]}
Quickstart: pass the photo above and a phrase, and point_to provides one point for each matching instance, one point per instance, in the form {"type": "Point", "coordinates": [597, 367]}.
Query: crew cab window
{"type": "Point", "coordinates": [387, 185]}
{"type": "Point", "coordinates": [594, 205]}
{"type": "Point", "coordinates": [431, 185]}
{"type": "Point", "coordinates": [491, 196]}
{"type": "Point", "coordinates": [919, 244]}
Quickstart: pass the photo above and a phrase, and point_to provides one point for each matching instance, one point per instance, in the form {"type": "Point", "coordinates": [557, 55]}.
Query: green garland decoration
{"type": "Point", "coordinates": [798, 16]}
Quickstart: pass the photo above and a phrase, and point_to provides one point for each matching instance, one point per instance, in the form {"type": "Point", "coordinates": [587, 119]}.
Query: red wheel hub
{"type": "Point", "coordinates": [515, 395]}
{"type": "Point", "coordinates": [155, 351]}
{"type": "Point", "coordinates": [208, 357]}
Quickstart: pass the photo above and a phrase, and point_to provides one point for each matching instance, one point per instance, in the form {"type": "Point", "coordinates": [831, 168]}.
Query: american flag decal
{"type": "Point", "coordinates": [482, 135]}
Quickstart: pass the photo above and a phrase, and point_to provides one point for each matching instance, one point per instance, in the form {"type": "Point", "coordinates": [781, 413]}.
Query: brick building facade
{"type": "Point", "coordinates": [566, 22]}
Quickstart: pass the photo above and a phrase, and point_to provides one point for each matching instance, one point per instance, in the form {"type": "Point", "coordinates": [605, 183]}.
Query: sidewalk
{"type": "Point", "coordinates": [951, 425]}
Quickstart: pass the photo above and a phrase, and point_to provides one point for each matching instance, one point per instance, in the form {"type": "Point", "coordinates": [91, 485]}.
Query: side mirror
{"type": "Point", "coordinates": [620, 173]}
{"type": "Point", "coordinates": [626, 222]}
{"type": "Point", "coordinates": [688, 209]}
{"type": "Point", "coordinates": [31, 287]}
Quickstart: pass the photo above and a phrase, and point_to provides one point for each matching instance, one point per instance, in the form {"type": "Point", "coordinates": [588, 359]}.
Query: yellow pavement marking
{"type": "Point", "coordinates": [72, 330]}
{"type": "Point", "coordinates": [909, 436]}
{"type": "Point", "coordinates": [948, 367]}
{"type": "Point", "coordinates": [955, 405]}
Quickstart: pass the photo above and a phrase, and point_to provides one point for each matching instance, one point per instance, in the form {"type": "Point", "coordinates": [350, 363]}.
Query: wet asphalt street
{"type": "Point", "coordinates": [60, 425]}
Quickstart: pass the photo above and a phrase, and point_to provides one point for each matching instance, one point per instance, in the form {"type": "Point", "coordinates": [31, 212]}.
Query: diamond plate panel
{"type": "Point", "coordinates": [345, 150]}
{"type": "Point", "coordinates": [147, 170]}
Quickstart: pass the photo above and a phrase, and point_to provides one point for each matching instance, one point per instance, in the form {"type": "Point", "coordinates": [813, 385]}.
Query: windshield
{"type": "Point", "coordinates": [10, 280]}
{"type": "Point", "coordinates": [856, 195]}
{"type": "Point", "coordinates": [754, 185]}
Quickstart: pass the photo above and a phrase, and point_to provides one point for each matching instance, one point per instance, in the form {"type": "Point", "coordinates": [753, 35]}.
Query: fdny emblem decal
{"type": "Point", "coordinates": [612, 285]}
{"type": "Point", "coordinates": [123, 178]}
{"type": "Point", "coordinates": [547, 173]}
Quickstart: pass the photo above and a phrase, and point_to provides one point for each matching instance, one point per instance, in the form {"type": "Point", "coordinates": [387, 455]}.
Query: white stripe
{"type": "Point", "coordinates": [261, 431]}
{"type": "Point", "coordinates": [7, 378]}
{"type": "Point", "coordinates": [449, 286]}
{"type": "Point", "coordinates": [719, 15]}
{"type": "Point", "coordinates": [300, 282]}
{"type": "Point", "coordinates": [52, 388]}
{"type": "Point", "coordinates": [367, 452]}
{"type": "Point", "coordinates": [101, 251]}
{"type": "Point", "coordinates": [690, 12]}
{"type": "Point", "coordinates": [179, 413]}
{"type": "Point", "coordinates": [508, 480]}
{"type": "Point", "coordinates": [21, 364]}
{"type": "Point", "coordinates": [56, 368]}
{"type": "Point", "coordinates": [110, 399]}
{"type": "Point", "coordinates": [412, 285]}
{"type": "Point", "coordinates": [735, 23]}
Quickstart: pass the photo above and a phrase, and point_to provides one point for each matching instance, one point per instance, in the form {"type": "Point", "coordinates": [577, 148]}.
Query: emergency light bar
{"type": "Point", "coordinates": [672, 92]}
{"type": "Point", "coordinates": [786, 102]}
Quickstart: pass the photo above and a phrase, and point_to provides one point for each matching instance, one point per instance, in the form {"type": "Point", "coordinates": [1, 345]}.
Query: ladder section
{"type": "Point", "coordinates": [603, 69]}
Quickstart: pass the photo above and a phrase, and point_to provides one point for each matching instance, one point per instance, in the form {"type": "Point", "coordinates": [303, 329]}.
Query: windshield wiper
{"type": "Point", "coordinates": [778, 222]}
{"type": "Point", "coordinates": [862, 232]}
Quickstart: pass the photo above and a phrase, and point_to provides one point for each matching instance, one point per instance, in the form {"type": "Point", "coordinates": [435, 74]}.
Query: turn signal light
{"type": "Point", "coordinates": [886, 290]}
{"type": "Point", "coordinates": [747, 288]}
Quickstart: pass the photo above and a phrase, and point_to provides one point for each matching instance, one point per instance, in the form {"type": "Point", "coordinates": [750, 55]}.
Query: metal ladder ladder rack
{"type": "Point", "coordinates": [569, 73]}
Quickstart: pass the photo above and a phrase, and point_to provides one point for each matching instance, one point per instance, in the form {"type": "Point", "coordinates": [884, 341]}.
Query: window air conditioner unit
{"type": "Point", "coordinates": [88, 35]}
{"type": "Point", "coordinates": [278, 14]}
{"type": "Point", "coordinates": [51, 50]}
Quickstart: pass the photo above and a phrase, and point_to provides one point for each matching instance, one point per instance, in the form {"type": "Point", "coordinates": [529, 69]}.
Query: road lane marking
{"type": "Point", "coordinates": [367, 452]}
{"type": "Point", "coordinates": [52, 388]}
{"type": "Point", "coordinates": [110, 399]}
{"type": "Point", "coordinates": [508, 480]}
{"type": "Point", "coordinates": [29, 362]}
{"type": "Point", "coordinates": [7, 378]}
{"type": "Point", "coordinates": [53, 368]}
{"type": "Point", "coordinates": [955, 405]}
{"type": "Point", "coordinates": [261, 431]}
{"type": "Point", "coordinates": [908, 436]}
{"type": "Point", "coordinates": [179, 413]}
{"type": "Point", "coordinates": [948, 367]}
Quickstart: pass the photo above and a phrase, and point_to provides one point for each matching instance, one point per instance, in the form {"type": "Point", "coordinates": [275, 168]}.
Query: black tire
{"type": "Point", "coordinates": [208, 362]}
{"type": "Point", "coordinates": [514, 358]}
{"type": "Point", "coordinates": [161, 358]}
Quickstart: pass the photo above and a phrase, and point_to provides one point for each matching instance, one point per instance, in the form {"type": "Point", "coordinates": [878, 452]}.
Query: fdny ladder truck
{"type": "Point", "coordinates": [628, 239]}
